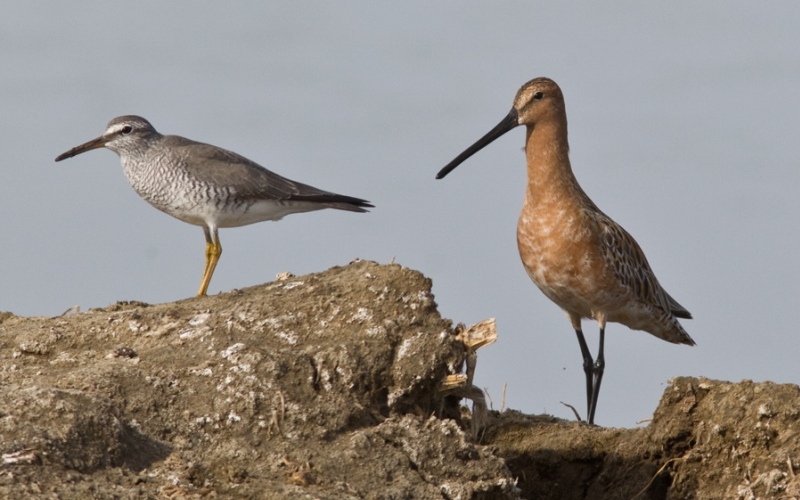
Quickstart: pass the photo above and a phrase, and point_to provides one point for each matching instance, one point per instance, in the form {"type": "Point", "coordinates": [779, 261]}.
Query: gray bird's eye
{"type": "Point", "coordinates": [127, 129]}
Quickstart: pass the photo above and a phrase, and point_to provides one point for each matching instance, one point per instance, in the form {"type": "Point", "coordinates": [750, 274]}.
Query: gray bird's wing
{"type": "Point", "coordinates": [215, 166]}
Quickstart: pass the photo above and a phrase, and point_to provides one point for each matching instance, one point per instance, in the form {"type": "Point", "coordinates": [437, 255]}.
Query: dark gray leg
{"type": "Point", "coordinates": [597, 370]}
{"type": "Point", "coordinates": [588, 369]}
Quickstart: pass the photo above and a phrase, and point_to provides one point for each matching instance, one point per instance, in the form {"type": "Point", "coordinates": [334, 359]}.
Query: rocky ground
{"type": "Point", "coordinates": [330, 386]}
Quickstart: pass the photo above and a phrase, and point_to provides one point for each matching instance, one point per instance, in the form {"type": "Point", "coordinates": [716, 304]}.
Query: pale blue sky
{"type": "Point", "coordinates": [683, 125]}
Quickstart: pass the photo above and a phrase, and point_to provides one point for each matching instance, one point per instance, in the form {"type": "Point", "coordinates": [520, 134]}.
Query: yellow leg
{"type": "Point", "coordinates": [213, 252]}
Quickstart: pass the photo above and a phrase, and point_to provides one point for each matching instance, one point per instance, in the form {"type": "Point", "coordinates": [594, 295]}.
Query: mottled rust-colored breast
{"type": "Point", "coordinates": [559, 247]}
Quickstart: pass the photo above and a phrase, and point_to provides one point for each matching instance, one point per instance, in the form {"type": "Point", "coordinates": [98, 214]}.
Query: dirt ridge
{"type": "Point", "coordinates": [328, 386]}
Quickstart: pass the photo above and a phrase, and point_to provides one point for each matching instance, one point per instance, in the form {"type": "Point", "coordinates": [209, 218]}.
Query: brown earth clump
{"type": "Point", "coordinates": [330, 386]}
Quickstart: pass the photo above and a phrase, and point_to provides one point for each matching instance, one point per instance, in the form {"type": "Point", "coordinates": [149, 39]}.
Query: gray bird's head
{"type": "Point", "coordinates": [123, 135]}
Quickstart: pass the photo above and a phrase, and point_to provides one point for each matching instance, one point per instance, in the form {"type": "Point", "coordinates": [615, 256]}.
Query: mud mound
{"type": "Point", "coordinates": [707, 440]}
{"type": "Point", "coordinates": [320, 386]}
{"type": "Point", "coordinates": [330, 386]}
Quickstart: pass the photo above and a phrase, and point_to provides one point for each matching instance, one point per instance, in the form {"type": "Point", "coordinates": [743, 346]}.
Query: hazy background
{"type": "Point", "coordinates": [684, 121]}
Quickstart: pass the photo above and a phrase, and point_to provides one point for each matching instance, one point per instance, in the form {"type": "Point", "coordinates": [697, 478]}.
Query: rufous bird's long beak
{"type": "Point", "coordinates": [510, 121]}
{"type": "Point", "coordinates": [88, 146]}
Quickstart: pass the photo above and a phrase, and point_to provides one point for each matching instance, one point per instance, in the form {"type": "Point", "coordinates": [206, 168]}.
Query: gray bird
{"type": "Point", "coordinates": [205, 185]}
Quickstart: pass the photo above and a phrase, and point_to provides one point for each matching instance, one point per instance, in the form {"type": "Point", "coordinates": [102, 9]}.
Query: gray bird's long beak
{"type": "Point", "coordinates": [88, 146]}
